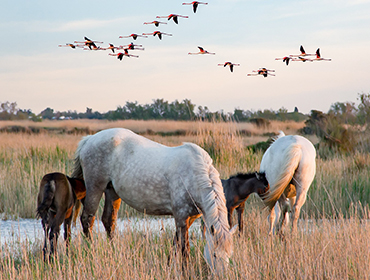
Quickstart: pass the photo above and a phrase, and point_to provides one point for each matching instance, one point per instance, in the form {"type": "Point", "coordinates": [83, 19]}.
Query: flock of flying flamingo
{"type": "Point", "coordinates": [89, 44]}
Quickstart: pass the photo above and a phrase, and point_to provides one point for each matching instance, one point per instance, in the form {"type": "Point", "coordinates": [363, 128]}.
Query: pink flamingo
{"type": "Point", "coordinates": [285, 59]}
{"type": "Point", "coordinates": [155, 22]}
{"type": "Point", "coordinates": [158, 33]}
{"type": "Point", "coordinates": [202, 51]}
{"type": "Point", "coordinates": [230, 64]}
{"type": "Point", "coordinates": [173, 16]}
{"type": "Point", "coordinates": [121, 55]}
{"type": "Point", "coordinates": [89, 43]}
{"type": "Point", "coordinates": [73, 46]}
{"type": "Point", "coordinates": [195, 5]}
{"type": "Point", "coordinates": [262, 71]}
{"type": "Point", "coordinates": [134, 36]}
{"type": "Point", "coordinates": [318, 57]}
{"type": "Point", "coordinates": [132, 46]}
{"type": "Point", "coordinates": [303, 53]}
{"type": "Point", "coordinates": [112, 47]}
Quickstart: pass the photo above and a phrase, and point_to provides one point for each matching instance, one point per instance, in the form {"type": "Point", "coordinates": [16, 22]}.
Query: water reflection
{"type": "Point", "coordinates": [31, 230]}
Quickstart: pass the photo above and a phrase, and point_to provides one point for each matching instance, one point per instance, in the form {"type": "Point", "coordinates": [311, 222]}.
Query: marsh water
{"type": "Point", "coordinates": [30, 230]}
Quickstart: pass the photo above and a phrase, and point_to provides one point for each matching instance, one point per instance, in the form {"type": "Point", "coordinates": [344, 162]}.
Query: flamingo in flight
{"type": "Point", "coordinates": [132, 46]}
{"type": "Point", "coordinates": [73, 46]}
{"type": "Point", "coordinates": [202, 51]}
{"type": "Point", "coordinates": [134, 36]}
{"type": "Point", "coordinates": [112, 47]}
{"type": "Point", "coordinates": [318, 57]}
{"type": "Point", "coordinates": [121, 55]}
{"type": "Point", "coordinates": [285, 59]}
{"type": "Point", "coordinates": [262, 71]}
{"type": "Point", "coordinates": [158, 33]}
{"type": "Point", "coordinates": [230, 64]}
{"type": "Point", "coordinates": [303, 53]}
{"type": "Point", "coordinates": [195, 5]}
{"type": "Point", "coordinates": [155, 22]}
{"type": "Point", "coordinates": [89, 43]}
{"type": "Point", "coordinates": [174, 17]}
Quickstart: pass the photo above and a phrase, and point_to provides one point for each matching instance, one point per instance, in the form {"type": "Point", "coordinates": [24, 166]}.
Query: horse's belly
{"type": "Point", "coordinates": [152, 199]}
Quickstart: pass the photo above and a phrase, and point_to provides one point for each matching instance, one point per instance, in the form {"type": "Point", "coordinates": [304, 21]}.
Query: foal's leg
{"type": "Point", "coordinates": [54, 230]}
{"type": "Point", "coordinates": [67, 231]}
{"type": "Point", "coordinates": [45, 226]}
{"type": "Point", "coordinates": [284, 208]}
{"type": "Point", "coordinates": [240, 210]}
{"type": "Point", "coordinates": [182, 237]}
{"type": "Point", "coordinates": [111, 207]}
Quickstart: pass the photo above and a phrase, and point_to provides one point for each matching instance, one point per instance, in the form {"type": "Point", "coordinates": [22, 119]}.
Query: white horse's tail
{"type": "Point", "coordinates": [284, 174]}
{"type": "Point", "coordinates": [77, 168]}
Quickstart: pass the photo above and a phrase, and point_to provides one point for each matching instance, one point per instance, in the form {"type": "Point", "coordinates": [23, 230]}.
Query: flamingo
{"type": "Point", "coordinates": [111, 47]}
{"type": "Point", "coordinates": [121, 55]}
{"type": "Point", "coordinates": [230, 64]}
{"type": "Point", "coordinates": [195, 5]}
{"type": "Point", "coordinates": [318, 57]}
{"type": "Point", "coordinates": [132, 46]}
{"type": "Point", "coordinates": [73, 46]}
{"type": "Point", "coordinates": [173, 16]}
{"type": "Point", "coordinates": [285, 59]}
{"type": "Point", "coordinates": [134, 36]}
{"type": "Point", "coordinates": [303, 53]}
{"type": "Point", "coordinates": [202, 51]}
{"type": "Point", "coordinates": [158, 33]}
{"type": "Point", "coordinates": [155, 22]}
{"type": "Point", "coordinates": [89, 43]}
{"type": "Point", "coordinates": [262, 71]}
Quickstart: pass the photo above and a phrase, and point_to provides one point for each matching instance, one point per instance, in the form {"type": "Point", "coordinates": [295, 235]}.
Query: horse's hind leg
{"type": "Point", "coordinates": [45, 226]}
{"type": "Point", "coordinates": [54, 231]}
{"type": "Point", "coordinates": [111, 207]}
{"type": "Point", "coordinates": [301, 199]}
{"type": "Point", "coordinates": [67, 231]}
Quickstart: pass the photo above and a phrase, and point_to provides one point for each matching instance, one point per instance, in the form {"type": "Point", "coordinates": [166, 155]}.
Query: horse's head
{"type": "Point", "coordinates": [263, 185]}
{"type": "Point", "coordinates": [218, 249]}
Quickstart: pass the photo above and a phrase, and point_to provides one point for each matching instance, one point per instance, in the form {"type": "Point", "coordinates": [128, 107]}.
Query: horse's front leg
{"type": "Point", "coordinates": [240, 210]}
{"type": "Point", "coordinates": [111, 207]}
{"type": "Point", "coordinates": [91, 204]}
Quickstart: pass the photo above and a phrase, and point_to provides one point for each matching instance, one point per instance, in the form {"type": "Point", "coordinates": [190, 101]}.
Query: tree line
{"type": "Point", "coordinates": [160, 109]}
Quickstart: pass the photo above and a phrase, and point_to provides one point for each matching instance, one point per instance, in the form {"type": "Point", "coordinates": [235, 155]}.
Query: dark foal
{"type": "Point", "coordinates": [237, 190]}
{"type": "Point", "coordinates": [57, 196]}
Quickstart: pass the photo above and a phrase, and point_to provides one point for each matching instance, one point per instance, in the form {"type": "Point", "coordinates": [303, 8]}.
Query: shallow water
{"type": "Point", "coordinates": [31, 229]}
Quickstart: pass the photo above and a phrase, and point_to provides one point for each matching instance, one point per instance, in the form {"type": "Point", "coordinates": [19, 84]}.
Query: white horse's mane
{"type": "Point", "coordinates": [214, 203]}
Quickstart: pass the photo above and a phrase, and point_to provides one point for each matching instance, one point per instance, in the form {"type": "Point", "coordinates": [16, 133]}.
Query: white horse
{"type": "Point", "coordinates": [157, 180]}
{"type": "Point", "coordinates": [290, 167]}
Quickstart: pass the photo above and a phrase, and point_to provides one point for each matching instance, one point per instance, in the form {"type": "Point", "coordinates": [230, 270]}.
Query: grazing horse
{"type": "Point", "coordinates": [290, 167]}
{"type": "Point", "coordinates": [157, 180]}
{"type": "Point", "coordinates": [57, 196]}
{"type": "Point", "coordinates": [237, 190]}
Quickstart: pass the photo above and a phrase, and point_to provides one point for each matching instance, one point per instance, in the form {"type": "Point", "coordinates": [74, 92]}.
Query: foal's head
{"type": "Point", "coordinates": [262, 185]}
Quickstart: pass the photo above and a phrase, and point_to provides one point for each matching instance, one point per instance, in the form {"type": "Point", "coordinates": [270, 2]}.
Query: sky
{"type": "Point", "coordinates": [36, 73]}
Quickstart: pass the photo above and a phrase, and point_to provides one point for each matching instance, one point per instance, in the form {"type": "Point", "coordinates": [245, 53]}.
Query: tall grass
{"type": "Point", "coordinates": [332, 240]}
{"type": "Point", "coordinates": [322, 249]}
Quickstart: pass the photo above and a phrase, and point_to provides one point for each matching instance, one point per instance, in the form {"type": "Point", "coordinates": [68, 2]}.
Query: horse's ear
{"type": "Point", "coordinates": [233, 229]}
{"type": "Point", "coordinates": [257, 176]}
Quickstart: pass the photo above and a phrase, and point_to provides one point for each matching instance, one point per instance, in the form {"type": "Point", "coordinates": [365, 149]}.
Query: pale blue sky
{"type": "Point", "coordinates": [36, 73]}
